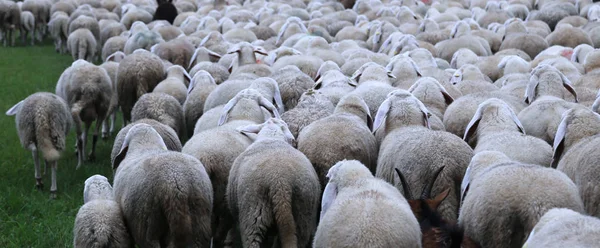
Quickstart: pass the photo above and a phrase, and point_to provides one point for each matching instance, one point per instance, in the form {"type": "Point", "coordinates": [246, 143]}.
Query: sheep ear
{"type": "Point", "coordinates": [351, 82]}
{"type": "Point", "coordinates": [416, 67]}
{"type": "Point", "coordinates": [15, 109]}
{"type": "Point", "coordinates": [277, 96]}
{"type": "Point", "coordinates": [214, 56]}
{"type": "Point", "coordinates": [530, 90]}
{"type": "Point", "coordinates": [263, 102]}
{"type": "Point", "coordinates": [575, 55]}
{"type": "Point", "coordinates": [596, 104]}
{"type": "Point", "coordinates": [234, 49]}
{"type": "Point", "coordinates": [191, 86]}
{"type": "Point", "coordinates": [382, 113]}
{"type": "Point", "coordinates": [370, 122]}
{"type": "Point", "coordinates": [318, 84]}
{"type": "Point", "coordinates": [426, 114]}
{"type": "Point", "coordinates": [358, 73]}
{"type": "Point", "coordinates": [230, 68]}
{"type": "Point", "coordinates": [226, 109]}
{"type": "Point", "coordinates": [516, 120]}
{"type": "Point", "coordinates": [329, 196]}
{"type": "Point", "coordinates": [390, 75]}
{"type": "Point", "coordinates": [193, 59]}
{"type": "Point", "coordinates": [559, 142]}
{"type": "Point", "coordinates": [121, 156]}
{"type": "Point", "coordinates": [260, 50]}
{"type": "Point", "coordinates": [473, 124]}
{"type": "Point", "coordinates": [503, 62]}
{"type": "Point", "coordinates": [187, 75]}
{"type": "Point", "coordinates": [377, 35]}
{"type": "Point", "coordinates": [567, 85]}
{"type": "Point", "coordinates": [113, 57]}
{"type": "Point", "coordinates": [447, 97]}
{"type": "Point", "coordinates": [250, 131]}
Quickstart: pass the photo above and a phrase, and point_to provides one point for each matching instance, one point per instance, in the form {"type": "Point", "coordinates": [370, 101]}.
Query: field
{"type": "Point", "coordinates": [28, 218]}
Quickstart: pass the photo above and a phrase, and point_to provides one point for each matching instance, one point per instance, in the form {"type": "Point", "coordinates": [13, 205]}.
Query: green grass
{"type": "Point", "coordinates": [28, 218]}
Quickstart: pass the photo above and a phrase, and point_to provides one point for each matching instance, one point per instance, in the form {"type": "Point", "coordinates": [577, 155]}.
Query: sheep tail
{"type": "Point", "coordinates": [178, 215]}
{"type": "Point", "coordinates": [46, 137]}
{"type": "Point", "coordinates": [281, 201]}
{"type": "Point", "coordinates": [82, 50]}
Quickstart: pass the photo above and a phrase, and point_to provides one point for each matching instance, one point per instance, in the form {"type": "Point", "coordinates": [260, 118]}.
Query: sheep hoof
{"type": "Point", "coordinates": [92, 157]}
{"type": "Point", "coordinates": [53, 195]}
{"type": "Point", "coordinates": [105, 135]}
{"type": "Point", "coordinates": [38, 184]}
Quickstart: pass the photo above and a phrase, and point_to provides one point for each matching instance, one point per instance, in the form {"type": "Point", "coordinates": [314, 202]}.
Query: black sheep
{"type": "Point", "coordinates": [165, 11]}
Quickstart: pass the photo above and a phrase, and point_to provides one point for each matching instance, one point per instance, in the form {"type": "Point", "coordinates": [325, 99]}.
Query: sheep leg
{"type": "Point", "coordinates": [105, 129]}
{"type": "Point", "coordinates": [113, 120]}
{"type": "Point", "coordinates": [53, 188]}
{"type": "Point", "coordinates": [12, 37]}
{"type": "Point", "coordinates": [92, 156]}
{"type": "Point", "coordinates": [84, 138]}
{"type": "Point", "coordinates": [39, 185]}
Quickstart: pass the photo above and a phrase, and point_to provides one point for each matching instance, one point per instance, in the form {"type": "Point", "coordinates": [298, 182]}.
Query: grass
{"type": "Point", "coordinates": [28, 218]}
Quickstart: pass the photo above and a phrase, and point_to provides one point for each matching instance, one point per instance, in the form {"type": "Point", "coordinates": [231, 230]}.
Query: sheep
{"type": "Point", "coordinates": [292, 83]}
{"type": "Point", "coordinates": [134, 14]}
{"type": "Point", "coordinates": [312, 106]}
{"type": "Point", "coordinates": [495, 127]}
{"type": "Point", "coordinates": [208, 147]}
{"type": "Point", "coordinates": [144, 38]}
{"type": "Point", "coordinates": [552, 13]}
{"type": "Point", "coordinates": [334, 85]}
{"type": "Point", "coordinates": [435, 97]}
{"type": "Point", "coordinates": [406, 71]}
{"type": "Point", "coordinates": [564, 227]}
{"type": "Point", "coordinates": [353, 191]}
{"type": "Point", "coordinates": [26, 28]}
{"type": "Point", "coordinates": [41, 13]}
{"type": "Point", "coordinates": [468, 79]}
{"type": "Point", "coordinates": [530, 43]}
{"type": "Point", "coordinates": [568, 36]}
{"type": "Point", "coordinates": [201, 85]}
{"type": "Point", "coordinates": [460, 112]}
{"type": "Point", "coordinates": [246, 62]}
{"type": "Point", "coordinates": [351, 124]}
{"type": "Point", "coordinates": [177, 51]}
{"type": "Point", "coordinates": [574, 153]}
{"type": "Point", "coordinates": [10, 21]}
{"type": "Point", "coordinates": [177, 207]}
{"type": "Point", "coordinates": [110, 30]}
{"type": "Point", "coordinates": [513, 64]}
{"type": "Point", "coordinates": [161, 107]}
{"type": "Point", "coordinates": [99, 221]}
{"type": "Point", "coordinates": [62, 6]}
{"type": "Point", "coordinates": [165, 11]}
{"type": "Point", "coordinates": [402, 123]}
{"type": "Point", "coordinates": [112, 45]}
{"type": "Point", "coordinates": [86, 22]}
{"type": "Point", "coordinates": [88, 92]}
{"type": "Point", "coordinates": [271, 165]}
{"type": "Point", "coordinates": [373, 84]}
{"type": "Point", "coordinates": [167, 32]}
{"type": "Point", "coordinates": [545, 80]}
{"type": "Point", "coordinates": [202, 54]}
{"type": "Point", "coordinates": [43, 122]}
{"type": "Point", "coordinates": [500, 197]}
{"type": "Point", "coordinates": [58, 28]}
{"type": "Point", "coordinates": [167, 133]}
{"type": "Point", "coordinates": [462, 38]}
{"type": "Point", "coordinates": [111, 65]}
{"type": "Point", "coordinates": [138, 74]}
{"type": "Point", "coordinates": [174, 84]}
{"type": "Point", "coordinates": [82, 44]}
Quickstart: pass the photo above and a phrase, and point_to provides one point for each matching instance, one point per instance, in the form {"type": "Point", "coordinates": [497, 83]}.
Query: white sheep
{"type": "Point", "coordinates": [99, 222]}
{"type": "Point", "coordinates": [43, 122]}
{"type": "Point", "coordinates": [563, 227]}
{"type": "Point", "coordinates": [179, 197]}
{"type": "Point", "coordinates": [355, 211]}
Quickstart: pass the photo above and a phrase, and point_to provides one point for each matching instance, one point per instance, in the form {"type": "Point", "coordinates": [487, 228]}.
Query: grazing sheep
{"type": "Point", "coordinates": [82, 45]}
{"type": "Point", "coordinates": [111, 65]}
{"type": "Point", "coordinates": [177, 206]}
{"type": "Point", "coordinates": [501, 197]}
{"type": "Point", "coordinates": [246, 62]}
{"type": "Point", "coordinates": [112, 45]}
{"type": "Point", "coordinates": [355, 211]}
{"type": "Point", "coordinates": [435, 97]}
{"type": "Point", "coordinates": [58, 28]}
{"type": "Point", "coordinates": [346, 134]}
{"type": "Point", "coordinates": [335, 85]}
{"type": "Point", "coordinates": [201, 85]}
{"type": "Point", "coordinates": [574, 154]}
{"type": "Point", "coordinates": [138, 74]}
{"type": "Point", "coordinates": [273, 186]}
{"type": "Point", "coordinates": [468, 79]}
{"type": "Point", "coordinates": [563, 227]}
{"type": "Point", "coordinates": [161, 107]}
{"type": "Point", "coordinates": [495, 127]}
{"type": "Point", "coordinates": [174, 84]}
{"type": "Point", "coordinates": [401, 124]}
{"type": "Point", "coordinates": [87, 89]}
{"type": "Point", "coordinates": [312, 106]}
{"type": "Point", "coordinates": [110, 30]}
{"type": "Point", "coordinates": [177, 51]}
{"type": "Point", "coordinates": [547, 80]}
{"type": "Point", "coordinates": [292, 83]}
{"type": "Point", "coordinates": [89, 23]}
{"type": "Point", "coordinates": [461, 111]}
{"type": "Point", "coordinates": [43, 122]}
{"type": "Point", "coordinates": [134, 14]}
{"type": "Point", "coordinates": [26, 28]}
{"type": "Point", "coordinates": [167, 133]}
{"type": "Point", "coordinates": [143, 39]}
{"type": "Point", "coordinates": [99, 222]}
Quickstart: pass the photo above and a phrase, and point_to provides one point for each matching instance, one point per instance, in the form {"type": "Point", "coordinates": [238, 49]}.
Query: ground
{"type": "Point", "coordinates": [28, 218]}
